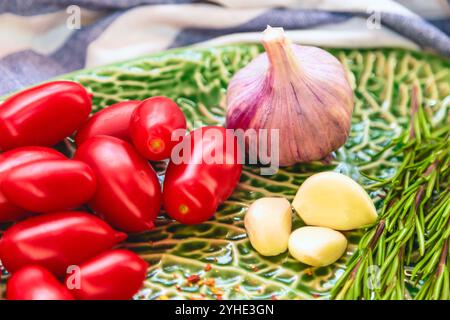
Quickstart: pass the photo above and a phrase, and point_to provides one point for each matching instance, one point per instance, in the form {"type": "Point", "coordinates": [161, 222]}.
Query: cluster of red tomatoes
{"type": "Point", "coordinates": [58, 250]}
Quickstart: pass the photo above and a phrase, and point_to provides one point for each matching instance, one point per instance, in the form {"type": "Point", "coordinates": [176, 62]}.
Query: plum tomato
{"type": "Point", "coordinates": [112, 275]}
{"type": "Point", "coordinates": [56, 241]}
{"type": "Point", "coordinates": [12, 159]}
{"type": "Point", "coordinates": [112, 121]}
{"type": "Point", "coordinates": [204, 176]}
{"type": "Point", "coordinates": [49, 185]}
{"type": "Point", "coordinates": [128, 192]}
{"type": "Point", "coordinates": [43, 115]}
{"type": "Point", "coordinates": [35, 283]}
{"type": "Point", "coordinates": [151, 127]}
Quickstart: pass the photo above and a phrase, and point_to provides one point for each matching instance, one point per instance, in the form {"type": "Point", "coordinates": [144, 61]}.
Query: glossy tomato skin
{"type": "Point", "coordinates": [56, 241]}
{"type": "Point", "coordinates": [194, 188]}
{"type": "Point", "coordinates": [43, 115]}
{"type": "Point", "coordinates": [112, 121]}
{"type": "Point", "coordinates": [112, 275]}
{"type": "Point", "coordinates": [151, 127]}
{"type": "Point", "coordinates": [128, 192]}
{"type": "Point", "coordinates": [35, 283]}
{"type": "Point", "coordinates": [49, 185]}
{"type": "Point", "coordinates": [12, 159]}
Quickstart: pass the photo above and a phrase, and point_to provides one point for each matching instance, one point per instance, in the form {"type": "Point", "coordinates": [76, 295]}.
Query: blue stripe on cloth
{"type": "Point", "coordinates": [25, 68]}
{"type": "Point", "coordinates": [72, 55]}
{"type": "Point", "coordinates": [419, 31]}
{"type": "Point", "coordinates": [28, 67]}
{"type": "Point", "coordinates": [442, 24]}
{"type": "Point", "coordinates": [35, 7]}
{"type": "Point", "coordinates": [289, 19]}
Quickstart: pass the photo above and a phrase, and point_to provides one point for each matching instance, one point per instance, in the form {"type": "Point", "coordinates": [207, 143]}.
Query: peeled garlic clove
{"type": "Point", "coordinates": [333, 200]}
{"type": "Point", "coordinates": [317, 246]}
{"type": "Point", "coordinates": [268, 223]}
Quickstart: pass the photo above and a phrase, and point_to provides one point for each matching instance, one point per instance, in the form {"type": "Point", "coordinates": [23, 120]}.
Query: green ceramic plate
{"type": "Point", "coordinates": [218, 251]}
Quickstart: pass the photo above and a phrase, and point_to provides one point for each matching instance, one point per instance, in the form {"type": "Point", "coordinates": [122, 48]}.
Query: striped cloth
{"type": "Point", "coordinates": [45, 38]}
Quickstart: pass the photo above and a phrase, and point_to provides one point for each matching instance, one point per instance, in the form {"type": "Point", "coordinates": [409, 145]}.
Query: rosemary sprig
{"type": "Point", "coordinates": [432, 269]}
{"type": "Point", "coordinates": [413, 224]}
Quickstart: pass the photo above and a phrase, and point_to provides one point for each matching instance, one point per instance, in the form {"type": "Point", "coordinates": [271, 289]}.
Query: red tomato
{"type": "Point", "coordinates": [151, 127]}
{"type": "Point", "coordinates": [112, 275]}
{"type": "Point", "coordinates": [12, 159]}
{"type": "Point", "coordinates": [194, 188]}
{"type": "Point", "coordinates": [56, 241]}
{"type": "Point", "coordinates": [35, 283]}
{"type": "Point", "coordinates": [112, 121]}
{"type": "Point", "coordinates": [49, 185]}
{"type": "Point", "coordinates": [43, 115]}
{"type": "Point", "coordinates": [128, 192]}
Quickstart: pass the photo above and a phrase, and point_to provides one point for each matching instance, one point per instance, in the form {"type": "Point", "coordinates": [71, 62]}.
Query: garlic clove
{"type": "Point", "coordinates": [268, 222]}
{"type": "Point", "coordinates": [317, 246]}
{"type": "Point", "coordinates": [333, 200]}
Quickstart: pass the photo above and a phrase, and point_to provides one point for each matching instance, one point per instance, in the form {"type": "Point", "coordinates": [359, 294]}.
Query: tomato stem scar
{"type": "Point", "coordinates": [183, 209]}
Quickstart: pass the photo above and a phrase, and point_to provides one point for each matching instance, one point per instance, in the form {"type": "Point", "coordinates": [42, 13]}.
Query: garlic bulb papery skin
{"type": "Point", "coordinates": [302, 91]}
